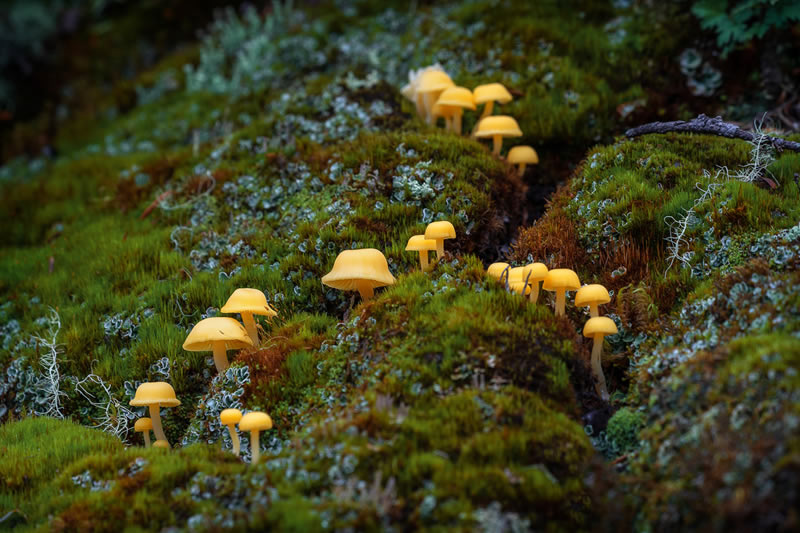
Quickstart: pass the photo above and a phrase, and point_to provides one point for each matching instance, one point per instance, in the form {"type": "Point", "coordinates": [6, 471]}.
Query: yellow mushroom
{"type": "Point", "coordinates": [410, 89]}
{"type": "Point", "coordinates": [431, 84]}
{"type": "Point", "coordinates": [560, 281]}
{"type": "Point", "coordinates": [497, 127]}
{"type": "Point", "coordinates": [217, 334]}
{"type": "Point", "coordinates": [254, 422]}
{"type": "Point", "coordinates": [453, 101]}
{"type": "Point", "coordinates": [418, 243]}
{"type": "Point", "coordinates": [249, 302]}
{"type": "Point", "coordinates": [522, 156]}
{"type": "Point", "coordinates": [597, 328]}
{"type": "Point", "coordinates": [161, 444]}
{"type": "Point", "coordinates": [143, 426]}
{"type": "Point", "coordinates": [496, 270]}
{"type": "Point", "coordinates": [154, 396]}
{"type": "Point", "coordinates": [359, 270]}
{"type": "Point", "coordinates": [535, 273]}
{"type": "Point", "coordinates": [440, 231]}
{"type": "Point", "coordinates": [231, 417]}
{"type": "Point", "coordinates": [592, 296]}
{"type": "Point", "coordinates": [489, 94]}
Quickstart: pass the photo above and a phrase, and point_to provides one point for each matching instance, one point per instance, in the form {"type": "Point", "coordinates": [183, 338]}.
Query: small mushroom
{"type": "Point", "coordinates": [156, 395]}
{"type": "Point", "coordinates": [496, 270]}
{"type": "Point", "coordinates": [431, 84]}
{"type": "Point", "coordinates": [249, 302]}
{"type": "Point", "coordinates": [418, 243]}
{"type": "Point", "coordinates": [453, 101]}
{"type": "Point", "coordinates": [592, 296]}
{"type": "Point", "coordinates": [561, 280]}
{"type": "Point", "coordinates": [522, 156]}
{"type": "Point", "coordinates": [410, 89]}
{"type": "Point", "coordinates": [143, 426]}
{"type": "Point", "coordinates": [597, 328]}
{"type": "Point", "coordinates": [497, 127]}
{"type": "Point", "coordinates": [489, 94]}
{"type": "Point", "coordinates": [359, 270]}
{"type": "Point", "coordinates": [254, 422]}
{"type": "Point", "coordinates": [231, 417]}
{"type": "Point", "coordinates": [217, 334]}
{"type": "Point", "coordinates": [534, 274]}
{"type": "Point", "coordinates": [440, 231]}
{"type": "Point", "coordinates": [161, 444]}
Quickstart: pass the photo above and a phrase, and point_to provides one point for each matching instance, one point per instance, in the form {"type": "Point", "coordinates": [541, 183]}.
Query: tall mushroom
{"type": "Point", "coordinates": [231, 417]}
{"type": "Point", "coordinates": [454, 100]}
{"type": "Point", "coordinates": [143, 426]}
{"type": "Point", "coordinates": [497, 127]}
{"type": "Point", "coordinates": [410, 89]}
{"type": "Point", "coordinates": [597, 328]}
{"type": "Point", "coordinates": [156, 395]}
{"type": "Point", "coordinates": [592, 296]}
{"type": "Point", "coordinates": [359, 270]}
{"type": "Point", "coordinates": [561, 280]}
{"type": "Point", "coordinates": [249, 302]}
{"type": "Point", "coordinates": [431, 84]}
{"type": "Point", "coordinates": [217, 334]}
{"type": "Point", "coordinates": [440, 231]}
{"type": "Point", "coordinates": [522, 156]}
{"type": "Point", "coordinates": [418, 243]}
{"type": "Point", "coordinates": [534, 274]}
{"type": "Point", "coordinates": [254, 422]}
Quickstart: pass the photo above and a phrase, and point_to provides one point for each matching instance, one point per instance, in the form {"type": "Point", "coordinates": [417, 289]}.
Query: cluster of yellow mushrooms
{"type": "Point", "coordinates": [525, 280]}
{"type": "Point", "coordinates": [437, 96]}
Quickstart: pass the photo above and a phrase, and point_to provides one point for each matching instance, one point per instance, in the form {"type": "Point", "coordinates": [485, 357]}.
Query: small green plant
{"type": "Point", "coordinates": [623, 429]}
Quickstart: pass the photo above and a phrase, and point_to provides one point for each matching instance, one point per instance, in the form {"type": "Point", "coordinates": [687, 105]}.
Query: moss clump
{"type": "Point", "coordinates": [623, 429]}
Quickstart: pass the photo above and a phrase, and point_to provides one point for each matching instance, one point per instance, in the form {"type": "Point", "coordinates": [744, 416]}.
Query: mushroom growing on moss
{"type": "Point", "coordinates": [154, 396]}
{"type": "Point", "coordinates": [535, 273]}
{"type": "Point", "coordinates": [418, 243]}
{"type": "Point", "coordinates": [231, 417]}
{"type": "Point", "coordinates": [143, 426]}
{"type": "Point", "coordinates": [249, 302]}
{"type": "Point", "coordinates": [592, 296]}
{"type": "Point", "coordinates": [597, 328]}
{"type": "Point", "coordinates": [489, 94]}
{"type": "Point", "coordinates": [254, 422]}
{"type": "Point", "coordinates": [161, 444]}
{"type": "Point", "coordinates": [453, 101]}
{"type": "Point", "coordinates": [522, 156]}
{"type": "Point", "coordinates": [410, 89]}
{"type": "Point", "coordinates": [359, 270]}
{"type": "Point", "coordinates": [439, 231]}
{"type": "Point", "coordinates": [497, 127]}
{"type": "Point", "coordinates": [496, 270]}
{"type": "Point", "coordinates": [217, 334]}
{"type": "Point", "coordinates": [431, 84]}
{"type": "Point", "coordinates": [560, 281]}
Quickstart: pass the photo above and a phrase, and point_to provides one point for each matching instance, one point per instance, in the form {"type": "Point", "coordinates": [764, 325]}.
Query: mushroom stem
{"type": "Point", "coordinates": [439, 249]}
{"type": "Point", "coordinates": [597, 367]}
{"type": "Point", "coordinates": [593, 310]}
{"type": "Point", "coordinates": [146, 435]}
{"type": "Point", "coordinates": [522, 167]}
{"type": "Point", "coordinates": [365, 290]}
{"type": "Point", "coordinates": [497, 141]}
{"type": "Point", "coordinates": [534, 295]}
{"type": "Point", "coordinates": [250, 326]}
{"type": "Point", "coordinates": [420, 103]}
{"type": "Point", "coordinates": [429, 101]}
{"type": "Point", "coordinates": [487, 109]}
{"type": "Point", "coordinates": [255, 447]}
{"type": "Point", "coordinates": [423, 260]}
{"type": "Point", "coordinates": [234, 439]}
{"type": "Point", "coordinates": [456, 122]}
{"type": "Point", "coordinates": [155, 416]}
{"type": "Point", "coordinates": [220, 357]}
{"type": "Point", "coordinates": [448, 123]}
{"type": "Point", "coordinates": [561, 302]}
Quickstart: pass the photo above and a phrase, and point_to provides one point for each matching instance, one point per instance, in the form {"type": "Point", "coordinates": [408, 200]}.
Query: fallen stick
{"type": "Point", "coordinates": [161, 197]}
{"type": "Point", "coordinates": [711, 126]}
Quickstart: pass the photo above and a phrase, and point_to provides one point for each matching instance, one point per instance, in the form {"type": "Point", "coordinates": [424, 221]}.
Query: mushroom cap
{"type": "Point", "coordinates": [418, 243]}
{"type": "Point", "coordinates": [156, 393]}
{"type": "Point", "coordinates": [591, 294]}
{"type": "Point", "coordinates": [491, 92]}
{"type": "Point", "coordinates": [248, 301]}
{"type": "Point", "coordinates": [538, 271]}
{"type": "Point", "coordinates": [230, 416]}
{"type": "Point", "coordinates": [522, 154]}
{"type": "Point", "coordinates": [352, 266]}
{"type": "Point", "coordinates": [441, 110]}
{"type": "Point", "coordinates": [498, 125]}
{"type": "Point", "coordinates": [495, 270]}
{"type": "Point", "coordinates": [516, 274]}
{"type": "Point", "coordinates": [599, 326]}
{"type": "Point", "coordinates": [440, 229]}
{"type": "Point", "coordinates": [517, 285]}
{"type": "Point", "coordinates": [143, 424]}
{"type": "Point", "coordinates": [410, 89]}
{"type": "Point", "coordinates": [434, 80]}
{"type": "Point", "coordinates": [255, 421]}
{"type": "Point", "coordinates": [217, 329]}
{"type": "Point", "coordinates": [457, 97]}
{"type": "Point", "coordinates": [161, 444]}
{"type": "Point", "coordinates": [561, 279]}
